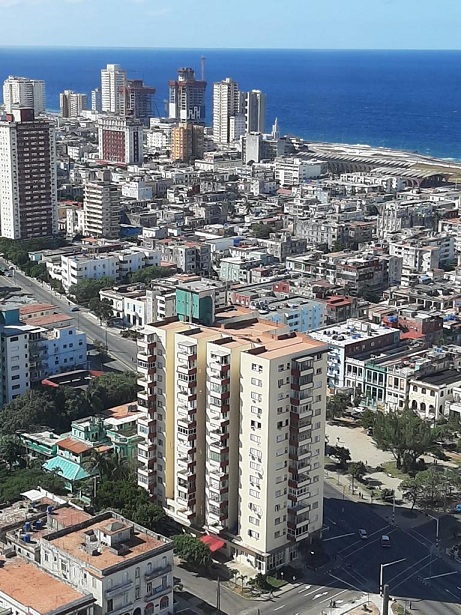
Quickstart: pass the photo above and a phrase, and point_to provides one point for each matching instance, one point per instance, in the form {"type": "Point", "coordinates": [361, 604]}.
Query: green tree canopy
{"type": "Point", "coordinates": [435, 487]}
{"type": "Point", "coordinates": [357, 470]}
{"type": "Point", "coordinates": [13, 483]}
{"type": "Point", "coordinates": [337, 404]}
{"type": "Point", "coordinates": [101, 308]}
{"type": "Point", "coordinates": [192, 550]}
{"type": "Point", "coordinates": [86, 290]}
{"type": "Point", "coordinates": [342, 454]}
{"type": "Point", "coordinates": [150, 273]}
{"type": "Point", "coordinates": [261, 230]}
{"type": "Point", "coordinates": [405, 435]}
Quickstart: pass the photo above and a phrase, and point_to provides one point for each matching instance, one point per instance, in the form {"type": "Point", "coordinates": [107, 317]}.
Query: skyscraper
{"type": "Point", "coordinates": [120, 139]}
{"type": "Point", "coordinates": [96, 102]}
{"type": "Point", "coordinates": [24, 92]}
{"type": "Point", "coordinates": [187, 142]}
{"type": "Point", "coordinates": [187, 97]}
{"type": "Point", "coordinates": [72, 104]}
{"type": "Point", "coordinates": [101, 206]}
{"type": "Point", "coordinates": [113, 84]}
{"type": "Point", "coordinates": [139, 100]}
{"type": "Point", "coordinates": [28, 195]}
{"type": "Point", "coordinates": [255, 111]}
{"type": "Point", "coordinates": [226, 105]}
{"type": "Point", "coordinates": [234, 430]}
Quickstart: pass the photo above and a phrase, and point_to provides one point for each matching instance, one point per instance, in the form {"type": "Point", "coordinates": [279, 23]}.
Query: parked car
{"type": "Point", "coordinates": [457, 508]}
{"type": "Point", "coordinates": [363, 534]}
{"type": "Point", "coordinates": [385, 540]}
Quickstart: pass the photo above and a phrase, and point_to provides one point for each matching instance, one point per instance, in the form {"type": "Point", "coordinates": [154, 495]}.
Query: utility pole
{"type": "Point", "coordinates": [218, 597]}
{"type": "Point", "coordinates": [386, 600]}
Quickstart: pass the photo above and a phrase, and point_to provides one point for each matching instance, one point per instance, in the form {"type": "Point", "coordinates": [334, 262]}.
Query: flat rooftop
{"type": "Point", "coordinates": [349, 332]}
{"type": "Point", "coordinates": [139, 543]}
{"type": "Point", "coordinates": [448, 376]}
{"type": "Point", "coordinates": [32, 587]}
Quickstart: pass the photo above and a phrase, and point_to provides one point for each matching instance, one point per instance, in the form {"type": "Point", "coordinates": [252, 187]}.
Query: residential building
{"type": "Point", "coordinates": [255, 111]}
{"type": "Point", "coordinates": [226, 105]}
{"type": "Point", "coordinates": [290, 171]}
{"type": "Point", "coordinates": [258, 147]}
{"type": "Point", "coordinates": [188, 256]}
{"type": "Point", "coordinates": [28, 176]}
{"type": "Point", "coordinates": [102, 207]}
{"type": "Point", "coordinates": [187, 97]}
{"type": "Point", "coordinates": [139, 101]}
{"type": "Point", "coordinates": [126, 567]}
{"type": "Point", "coordinates": [428, 395]}
{"type": "Point", "coordinates": [79, 267]}
{"type": "Point", "coordinates": [72, 104]}
{"type": "Point", "coordinates": [349, 339]}
{"type": "Point", "coordinates": [197, 301]}
{"type": "Point", "coordinates": [96, 100]}
{"type": "Point", "coordinates": [25, 589]}
{"type": "Point", "coordinates": [24, 92]}
{"type": "Point", "coordinates": [233, 423]}
{"type": "Point", "coordinates": [120, 139]}
{"type": "Point", "coordinates": [113, 84]}
{"type": "Point", "coordinates": [187, 142]}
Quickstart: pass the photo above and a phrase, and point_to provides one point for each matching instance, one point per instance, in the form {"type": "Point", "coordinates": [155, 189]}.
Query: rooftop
{"type": "Point", "coordinates": [51, 319]}
{"type": "Point", "coordinates": [139, 543]}
{"type": "Point", "coordinates": [34, 588]}
{"type": "Point", "coordinates": [32, 308]}
{"type": "Point", "coordinates": [448, 376]}
{"type": "Point", "coordinates": [349, 332]}
{"type": "Point", "coordinates": [74, 446]}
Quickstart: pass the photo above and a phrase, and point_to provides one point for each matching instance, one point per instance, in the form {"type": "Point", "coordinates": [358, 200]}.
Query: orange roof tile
{"type": "Point", "coordinates": [74, 446]}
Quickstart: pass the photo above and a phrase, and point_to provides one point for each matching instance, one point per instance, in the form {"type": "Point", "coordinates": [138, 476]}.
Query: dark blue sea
{"type": "Point", "coordinates": [407, 100]}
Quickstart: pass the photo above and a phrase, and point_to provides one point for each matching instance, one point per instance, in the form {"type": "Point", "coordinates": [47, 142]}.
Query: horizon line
{"type": "Point", "coordinates": [133, 48]}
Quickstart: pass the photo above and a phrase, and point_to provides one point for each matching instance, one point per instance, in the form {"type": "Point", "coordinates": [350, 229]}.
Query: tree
{"type": "Point", "coordinates": [262, 231]}
{"type": "Point", "coordinates": [86, 290]}
{"type": "Point", "coordinates": [243, 578]}
{"type": "Point", "coordinates": [337, 404]}
{"type": "Point", "coordinates": [367, 293]}
{"type": "Point", "coordinates": [411, 490]}
{"type": "Point", "coordinates": [13, 483]}
{"type": "Point", "coordinates": [148, 274]}
{"type": "Point", "coordinates": [357, 470]}
{"type": "Point", "coordinates": [342, 454]}
{"type": "Point", "coordinates": [233, 573]}
{"type": "Point", "coordinates": [367, 418]}
{"type": "Point", "coordinates": [12, 451]}
{"type": "Point", "coordinates": [114, 389]}
{"type": "Point", "coordinates": [192, 550]}
{"type": "Point", "coordinates": [99, 464]}
{"type": "Point", "coordinates": [101, 308]}
{"type": "Point", "coordinates": [405, 435]}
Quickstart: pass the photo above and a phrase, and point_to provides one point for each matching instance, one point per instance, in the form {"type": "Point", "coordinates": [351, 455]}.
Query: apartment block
{"type": "Point", "coordinates": [233, 428]}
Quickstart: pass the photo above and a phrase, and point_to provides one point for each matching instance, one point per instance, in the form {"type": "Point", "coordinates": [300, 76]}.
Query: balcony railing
{"type": "Point", "coordinates": [155, 572]}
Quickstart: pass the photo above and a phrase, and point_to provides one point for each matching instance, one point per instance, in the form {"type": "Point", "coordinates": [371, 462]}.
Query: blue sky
{"type": "Point", "coordinates": [305, 24]}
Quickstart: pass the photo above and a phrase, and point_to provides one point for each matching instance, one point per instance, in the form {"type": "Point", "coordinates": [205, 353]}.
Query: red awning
{"type": "Point", "coordinates": [213, 542]}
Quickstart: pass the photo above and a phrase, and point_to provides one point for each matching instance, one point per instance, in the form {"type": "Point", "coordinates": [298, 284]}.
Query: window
{"type": "Point", "coordinates": [149, 587]}
{"type": "Point", "coordinates": [110, 605]}
{"type": "Point", "coordinates": [257, 382]}
{"type": "Point", "coordinates": [254, 494]}
{"type": "Point", "coordinates": [255, 438]}
{"type": "Point", "coordinates": [277, 534]}
{"type": "Point", "coordinates": [257, 368]}
{"type": "Point", "coordinates": [253, 534]}
{"type": "Point", "coordinates": [423, 391]}
{"type": "Point", "coordinates": [137, 573]}
{"type": "Point", "coordinates": [256, 396]}
{"type": "Point", "coordinates": [255, 466]}
{"type": "Point", "coordinates": [255, 481]}
{"type": "Point", "coordinates": [255, 410]}
{"type": "Point", "coordinates": [254, 520]}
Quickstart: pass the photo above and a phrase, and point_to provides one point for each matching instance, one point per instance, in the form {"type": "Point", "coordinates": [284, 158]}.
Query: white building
{"type": "Point", "coordinates": [28, 176]}
{"type": "Point", "coordinates": [127, 568]}
{"type": "Point", "coordinates": [239, 416]}
{"type": "Point", "coordinates": [255, 111]}
{"type": "Point", "coordinates": [101, 206]}
{"type": "Point", "coordinates": [72, 103]}
{"type": "Point", "coordinates": [113, 87]}
{"type": "Point", "coordinates": [79, 267]}
{"type": "Point", "coordinates": [291, 171]}
{"type": "Point", "coordinates": [137, 189]}
{"type": "Point", "coordinates": [24, 92]}
{"type": "Point", "coordinates": [226, 104]}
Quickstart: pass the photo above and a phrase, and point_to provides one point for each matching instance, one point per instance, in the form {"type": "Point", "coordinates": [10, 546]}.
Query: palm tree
{"type": "Point", "coordinates": [99, 463]}
{"type": "Point", "coordinates": [121, 467]}
{"type": "Point", "coordinates": [242, 577]}
{"type": "Point", "coordinates": [233, 573]}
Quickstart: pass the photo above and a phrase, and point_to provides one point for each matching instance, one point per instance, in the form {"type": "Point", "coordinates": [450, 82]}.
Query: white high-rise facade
{"type": "Point", "coordinates": [113, 86]}
{"type": "Point", "coordinates": [24, 92]}
{"type": "Point", "coordinates": [226, 105]}
{"type": "Point", "coordinates": [28, 176]}
{"type": "Point", "coordinates": [255, 111]}
{"type": "Point", "coordinates": [72, 103]}
{"type": "Point", "coordinates": [234, 430]}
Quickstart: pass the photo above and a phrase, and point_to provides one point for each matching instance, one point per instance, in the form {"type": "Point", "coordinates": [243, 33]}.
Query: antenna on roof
{"type": "Point", "coordinates": [203, 60]}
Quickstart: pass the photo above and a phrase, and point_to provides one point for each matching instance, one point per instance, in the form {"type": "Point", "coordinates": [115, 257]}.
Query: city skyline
{"type": "Point", "coordinates": [385, 25]}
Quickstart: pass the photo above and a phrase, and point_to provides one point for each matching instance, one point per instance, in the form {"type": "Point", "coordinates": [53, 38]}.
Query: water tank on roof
{"type": "Point", "coordinates": [49, 510]}
{"type": "Point", "coordinates": [38, 524]}
{"type": "Point", "coordinates": [26, 538]}
{"type": "Point", "coordinates": [27, 526]}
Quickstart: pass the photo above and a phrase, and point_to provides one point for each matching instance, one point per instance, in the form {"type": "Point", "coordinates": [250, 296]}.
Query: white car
{"type": "Point", "coordinates": [363, 534]}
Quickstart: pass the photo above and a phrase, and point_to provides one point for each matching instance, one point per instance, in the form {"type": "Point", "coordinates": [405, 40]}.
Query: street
{"type": "Point", "coordinates": [123, 350]}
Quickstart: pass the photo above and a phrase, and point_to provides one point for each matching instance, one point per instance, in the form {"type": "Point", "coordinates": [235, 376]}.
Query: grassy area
{"type": "Point", "coordinates": [391, 468]}
{"type": "Point", "coordinates": [276, 583]}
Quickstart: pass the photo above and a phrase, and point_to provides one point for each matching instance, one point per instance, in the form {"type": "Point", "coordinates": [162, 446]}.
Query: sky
{"type": "Point", "coordinates": [202, 24]}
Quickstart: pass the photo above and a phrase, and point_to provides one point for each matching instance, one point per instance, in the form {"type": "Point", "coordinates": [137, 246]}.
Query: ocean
{"type": "Point", "coordinates": [408, 100]}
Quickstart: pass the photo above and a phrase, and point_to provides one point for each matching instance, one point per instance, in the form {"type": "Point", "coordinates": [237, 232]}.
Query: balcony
{"type": "Point", "coordinates": [120, 610]}
{"type": "Point", "coordinates": [121, 588]}
{"type": "Point", "coordinates": [156, 572]}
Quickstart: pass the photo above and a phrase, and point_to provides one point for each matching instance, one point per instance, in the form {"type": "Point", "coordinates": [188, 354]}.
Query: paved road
{"type": "Point", "coordinates": [123, 350]}
{"type": "Point", "coordinates": [424, 577]}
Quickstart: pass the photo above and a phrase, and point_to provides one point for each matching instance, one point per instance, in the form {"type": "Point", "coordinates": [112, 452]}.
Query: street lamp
{"type": "Point", "coordinates": [381, 572]}
{"type": "Point", "coordinates": [436, 519]}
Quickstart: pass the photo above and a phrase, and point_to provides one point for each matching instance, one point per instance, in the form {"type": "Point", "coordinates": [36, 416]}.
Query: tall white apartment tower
{"type": "Point", "coordinates": [113, 86]}
{"type": "Point", "coordinates": [255, 111]}
{"type": "Point", "coordinates": [101, 206]}
{"type": "Point", "coordinates": [24, 92]}
{"type": "Point", "coordinates": [28, 176]}
{"type": "Point", "coordinates": [226, 105]}
{"type": "Point", "coordinates": [234, 428]}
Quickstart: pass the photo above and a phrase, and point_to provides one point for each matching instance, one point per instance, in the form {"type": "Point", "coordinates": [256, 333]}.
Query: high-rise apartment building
{"type": "Point", "coordinates": [24, 92]}
{"type": "Point", "coordinates": [72, 103]}
{"type": "Point", "coordinates": [255, 111]}
{"type": "Point", "coordinates": [187, 142]}
{"type": "Point", "coordinates": [226, 108]}
{"type": "Point", "coordinates": [101, 206]}
{"type": "Point", "coordinates": [187, 97]}
{"type": "Point", "coordinates": [120, 139]}
{"type": "Point", "coordinates": [233, 428]}
{"type": "Point", "coordinates": [96, 101]}
{"type": "Point", "coordinates": [139, 100]}
{"type": "Point", "coordinates": [28, 184]}
{"type": "Point", "coordinates": [113, 85]}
